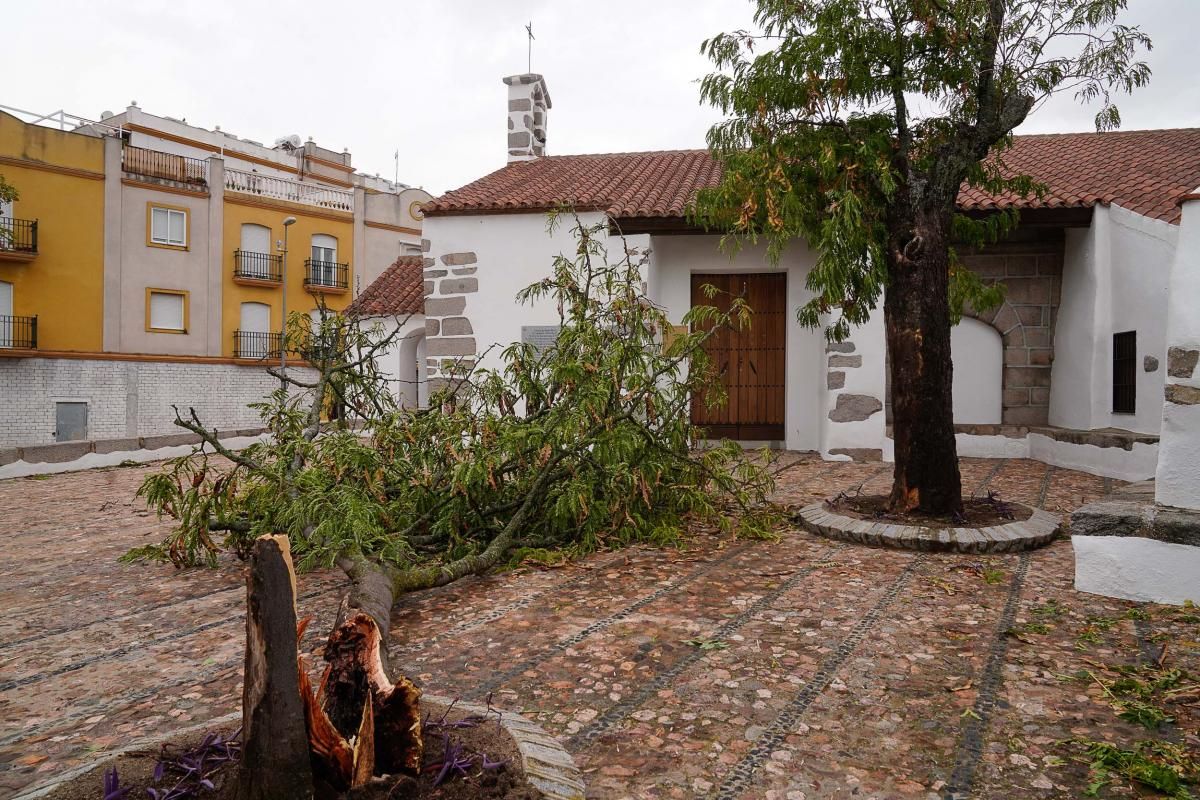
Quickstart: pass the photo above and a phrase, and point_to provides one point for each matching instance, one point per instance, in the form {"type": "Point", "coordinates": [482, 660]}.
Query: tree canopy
{"type": "Point", "coordinates": [847, 118]}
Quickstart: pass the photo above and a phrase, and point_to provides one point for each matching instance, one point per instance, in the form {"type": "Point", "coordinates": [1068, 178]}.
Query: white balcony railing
{"type": "Point", "coordinates": [284, 189]}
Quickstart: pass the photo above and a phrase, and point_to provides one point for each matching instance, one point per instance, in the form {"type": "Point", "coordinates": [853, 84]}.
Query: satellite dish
{"type": "Point", "coordinates": [106, 114]}
{"type": "Point", "coordinates": [294, 140]}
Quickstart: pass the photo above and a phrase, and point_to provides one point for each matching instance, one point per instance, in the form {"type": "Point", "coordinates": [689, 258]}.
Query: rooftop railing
{"type": "Point", "coordinates": [167, 166]}
{"type": "Point", "coordinates": [237, 180]}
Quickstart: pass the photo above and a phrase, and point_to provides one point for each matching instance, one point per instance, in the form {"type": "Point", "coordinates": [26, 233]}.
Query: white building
{"type": "Point", "coordinates": [1069, 370]}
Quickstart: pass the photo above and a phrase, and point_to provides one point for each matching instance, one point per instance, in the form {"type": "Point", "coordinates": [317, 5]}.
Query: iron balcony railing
{"type": "Point", "coordinates": [18, 332]}
{"type": "Point", "coordinates": [256, 345]}
{"type": "Point", "coordinates": [258, 266]}
{"type": "Point", "coordinates": [326, 274]}
{"type": "Point", "coordinates": [168, 166]}
{"type": "Point", "coordinates": [18, 235]}
{"type": "Point", "coordinates": [311, 194]}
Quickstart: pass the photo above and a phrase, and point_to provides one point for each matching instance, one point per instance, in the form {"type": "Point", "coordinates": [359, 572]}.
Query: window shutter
{"type": "Point", "coordinates": [176, 227]}
{"type": "Point", "coordinates": [1125, 372]}
{"type": "Point", "coordinates": [166, 311]}
{"type": "Point", "coordinates": [158, 225]}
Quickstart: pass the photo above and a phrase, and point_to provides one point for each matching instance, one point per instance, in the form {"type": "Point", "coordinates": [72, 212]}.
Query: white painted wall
{"type": "Point", "coordinates": [1178, 477]}
{"type": "Point", "coordinates": [512, 251]}
{"type": "Point", "coordinates": [870, 344]}
{"type": "Point", "coordinates": [1115, 277]}
{"type": "Point", "coordinates": [127, 398]}
{"type": "Point", "coordinates": [978, 354]}
{"type": "Point", "coordinates": [673, 261]}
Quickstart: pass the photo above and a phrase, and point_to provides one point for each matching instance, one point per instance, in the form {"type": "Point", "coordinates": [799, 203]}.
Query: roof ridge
{"type": "Point", "coordinates": [1145, 168]}
{"type": "Point", "coordinates": [680, 151]}
{"type": "Point", "coordinates": [1119, 132]}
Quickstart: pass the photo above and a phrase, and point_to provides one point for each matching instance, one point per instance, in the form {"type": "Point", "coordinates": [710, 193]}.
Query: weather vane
{"type": "Point", "coordinates": [529, 30]}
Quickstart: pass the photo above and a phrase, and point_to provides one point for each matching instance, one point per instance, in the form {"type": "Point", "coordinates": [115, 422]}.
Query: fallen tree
{"type": "Point", "coordinates": [554, 453]}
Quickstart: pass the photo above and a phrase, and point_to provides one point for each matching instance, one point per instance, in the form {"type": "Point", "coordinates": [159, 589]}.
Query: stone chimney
{"type": "Point", "coordinates": [528, 104]}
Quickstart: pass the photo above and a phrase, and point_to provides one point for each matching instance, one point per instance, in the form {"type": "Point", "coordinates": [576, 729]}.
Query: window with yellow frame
{"type": "Point", "coordinates": [166, 311]}
{"type": "Point", "coordinates": [167, 226]}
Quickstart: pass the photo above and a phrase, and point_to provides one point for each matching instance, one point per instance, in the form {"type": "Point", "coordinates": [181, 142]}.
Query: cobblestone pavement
{"type": "Point", "coordinates": [787, 670]}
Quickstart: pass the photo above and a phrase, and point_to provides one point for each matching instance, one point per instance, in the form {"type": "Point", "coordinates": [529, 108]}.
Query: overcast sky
{"type": "Point", "coordinates": [375, 76]}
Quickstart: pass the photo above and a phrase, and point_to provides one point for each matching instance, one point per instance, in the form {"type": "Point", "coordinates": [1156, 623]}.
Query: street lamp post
{"type": "Point", "coordinates": [287, 223]}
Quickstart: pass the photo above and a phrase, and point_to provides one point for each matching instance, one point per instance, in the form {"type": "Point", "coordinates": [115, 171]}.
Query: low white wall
{"type": "Point", "coordinates": [22, 469]}
{"type": "Point", "coordinates": [125, 398]}
{"type": "Point", "coordinates": [1137, 464]}
{"type": "Point", "coordinates": [1134, 568]}
{"type": "Point", "coordinates": [972, 446]}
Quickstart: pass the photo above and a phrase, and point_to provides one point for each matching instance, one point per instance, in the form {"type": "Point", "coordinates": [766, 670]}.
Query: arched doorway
{"type": "Point", "coordinates": [410, 371]}
{"type": "Point", "coordinates": [977, 350]}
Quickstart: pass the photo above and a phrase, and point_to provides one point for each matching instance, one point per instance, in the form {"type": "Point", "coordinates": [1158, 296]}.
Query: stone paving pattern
{"type": "Point", "coordinates": [832, 670]}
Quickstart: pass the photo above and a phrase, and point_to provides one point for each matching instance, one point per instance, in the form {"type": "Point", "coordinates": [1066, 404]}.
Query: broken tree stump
{"type": "Point", "coordinates": [356, 683]}
{"type": "Point", "coordinates": [275, 756]}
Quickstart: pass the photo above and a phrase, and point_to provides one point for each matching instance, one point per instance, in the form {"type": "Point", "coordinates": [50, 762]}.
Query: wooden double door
{"type": "Point", "coordinates": [750, 361]}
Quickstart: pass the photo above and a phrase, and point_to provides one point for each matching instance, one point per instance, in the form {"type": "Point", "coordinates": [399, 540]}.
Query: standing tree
{"type": "Point", "coordinates": [854, 123]}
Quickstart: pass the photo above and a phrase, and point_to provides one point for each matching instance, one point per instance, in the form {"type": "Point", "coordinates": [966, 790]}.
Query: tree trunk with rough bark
{"type": "Point", "coordinates": [917, 318]}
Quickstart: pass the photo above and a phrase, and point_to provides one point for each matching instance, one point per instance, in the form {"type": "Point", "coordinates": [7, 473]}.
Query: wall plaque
{"type": "Point", "coordinates": [542, 337]}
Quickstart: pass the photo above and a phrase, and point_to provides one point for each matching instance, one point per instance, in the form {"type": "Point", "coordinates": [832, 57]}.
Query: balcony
{"type": "Point", "coordinates": [18, 239]}
{"type": "Point", "coordinates": [269, 186]}
{"type": "Point", "coordinates": [18, 333]}
{"type": "Point", "coordinates": [256, 346]}
{"type": "Point", "coordinates": [326, 276]}
{"type": "Point", "coordinates": [143, 163]}
{"type": "Point", "coordinates": [257, 269]}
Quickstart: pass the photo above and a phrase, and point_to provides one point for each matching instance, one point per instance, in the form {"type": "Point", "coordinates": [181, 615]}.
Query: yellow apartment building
{"type": "Point", "coordinates": [51, 239]}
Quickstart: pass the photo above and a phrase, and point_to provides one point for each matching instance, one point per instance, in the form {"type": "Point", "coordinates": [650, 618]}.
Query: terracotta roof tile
{"type": "Point", "coordinates": [399, 290]}
{"type": "Point", "coordinates": [1143, 171]}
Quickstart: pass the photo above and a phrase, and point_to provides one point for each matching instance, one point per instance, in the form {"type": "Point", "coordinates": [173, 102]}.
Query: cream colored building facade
{"type": "Point", "coordinates": [186, 242]}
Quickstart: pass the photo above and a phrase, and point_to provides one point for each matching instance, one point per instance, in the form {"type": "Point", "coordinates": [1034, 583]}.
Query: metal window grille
{"type": "Point", "coordinates": [1125, 372]}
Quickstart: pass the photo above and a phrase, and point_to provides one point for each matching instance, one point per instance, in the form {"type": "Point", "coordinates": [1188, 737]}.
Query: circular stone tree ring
{"type": "Point", "coordinates": [1013, 537]}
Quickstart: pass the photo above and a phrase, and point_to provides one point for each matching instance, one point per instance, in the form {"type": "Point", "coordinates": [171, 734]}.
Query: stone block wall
{"type": "Point", "coordinates": [450, 346]}
{"type": "Point", "coordinates": [1029, 263]}
{"type": "Point", "coordinates": [126, 398]}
